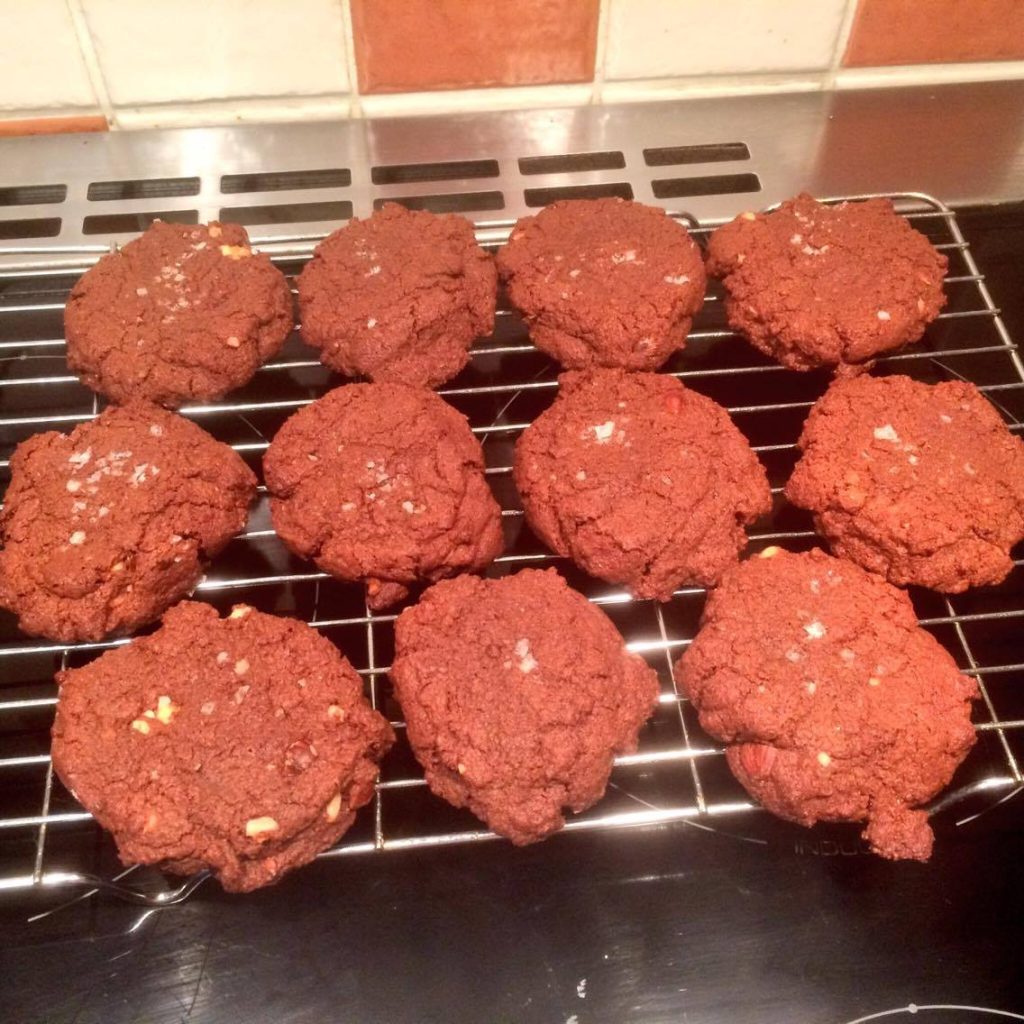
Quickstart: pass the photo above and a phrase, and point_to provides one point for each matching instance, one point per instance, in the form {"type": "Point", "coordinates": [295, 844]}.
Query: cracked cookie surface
{"type": "Point", "coordinates": [400, 296]}
{"type": "Point", "coordinates": [107, 526]}
{"type": "Point", "coordinates": [604, 282]}
{"type": "Point", "coordinates": [640, 481]}
{"type": "Point", "coordinates": [383, 483]}
{"type": "Point", "coordinates": [923, 484]}
{"type": "Point", "coordinates": [814, 285]}
{"type": "Point", "coordinates": [241, 744]}
{"type": "Point", "coordinates": [517, 695]}
{"type": "Point", "coordinates": [835, 704]}
{"type": "Point", "coordinates": [181, 313]}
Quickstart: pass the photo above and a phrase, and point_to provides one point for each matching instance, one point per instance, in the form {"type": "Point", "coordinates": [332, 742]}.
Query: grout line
{"type": "Point", "coordinates": [712, 86]}
{"type": "Point", "coordinates": [92, 62]}
{"type": "Point", "coordinates": [842, 41]}
{"type": "Point", "coordinates": [601, 48]}
{"type": "Point", "coordinates": [888, 76]}
{"type": "Point", "coordinates": [349, 42]}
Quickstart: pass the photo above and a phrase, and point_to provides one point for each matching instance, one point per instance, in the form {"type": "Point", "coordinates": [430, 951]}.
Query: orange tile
{"type": "Point", "coordinates": [52, 125]}
{"type": "Point", "coordinates": [935, 32]}
{"type": "Point", "coordinates": [405, 45]}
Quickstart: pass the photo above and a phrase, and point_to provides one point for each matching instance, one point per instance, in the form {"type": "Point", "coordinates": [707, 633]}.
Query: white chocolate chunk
{"type": "Point", "coordinates": [165, 709]}
{"type": "Point", "coordinates": [527, 662]}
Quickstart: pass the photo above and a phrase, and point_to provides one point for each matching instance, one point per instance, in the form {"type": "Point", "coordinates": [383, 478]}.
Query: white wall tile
{"type": "Point", "coordinates": [40, 64]}
{"type": "Point", "coordinates": [167, 51]}
{"type": "Point", "coordinates": [653, 38]}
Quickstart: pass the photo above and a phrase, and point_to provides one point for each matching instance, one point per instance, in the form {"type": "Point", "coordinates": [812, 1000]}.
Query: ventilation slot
{"type": "Point", "coordinates": [710, 185]}
{"type": "Point", "coordinates": [665, 156]}
{"type": "Point", "coordinates": [154, 188]}
{"type": "Point", "coordinates": [451, 202]}
{"type": "Point", "coordinates": [284, 181]}
{"type": "Point", "coordinates": [543, 196]}
{"type": "Point", "coordinates": [37, 227]}
{"type": "Point", "coordinates": [566, 163]}
{"type": "Point", "coordinates": [287, 213]}
{"type": "Point", "coordinates": [405, 174]}
{"type": "Point", "coordinates": [122, 223]}
{"type": "Point", "coordinates": [31, 195]}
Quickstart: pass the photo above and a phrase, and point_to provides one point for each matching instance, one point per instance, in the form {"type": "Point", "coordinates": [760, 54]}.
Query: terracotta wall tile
{"type": "Point", "coordinates": [53, 125]}
{"type": "Point", "coordinates": [403, 45]}
{"type": "Point", "coordinates": [935, 31]}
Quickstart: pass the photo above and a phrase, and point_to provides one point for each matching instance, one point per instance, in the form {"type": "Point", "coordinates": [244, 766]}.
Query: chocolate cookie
{"type": "Point", "coordinates": [398, 297]}
{"type": "Point", "coordinates": [181, 313]}
{"type": "Point", "coordinates": [604, 282]}
{"type": "Point", "coordinates": [834, 703]}
{"type": "Point", "coordinates": [517, 694]}
{"type": "Point", "coordinates": [106, 527]}
{"type": "Point", "coordinates": [640, 481]}
{"type": "Point", "coordinates": [814, 285]}
{"type": "Point", "coordinates": [243, 745]}
{"type": "Point", "coordinates": [921, 483]}
{"type": "Point", "coordinates": [383, 483]}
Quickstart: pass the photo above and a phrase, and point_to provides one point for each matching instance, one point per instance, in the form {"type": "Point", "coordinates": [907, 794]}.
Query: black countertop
{"type": "Point", "coordinates": [754, 921]}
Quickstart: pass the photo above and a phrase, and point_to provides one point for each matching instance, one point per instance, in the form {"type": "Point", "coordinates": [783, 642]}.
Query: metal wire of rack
{"type": "Point", "coordinates": [677, 773]}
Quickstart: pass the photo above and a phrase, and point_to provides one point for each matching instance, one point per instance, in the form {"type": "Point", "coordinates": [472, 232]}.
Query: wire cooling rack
{"type": "Point", "coordinates": [678, 773]}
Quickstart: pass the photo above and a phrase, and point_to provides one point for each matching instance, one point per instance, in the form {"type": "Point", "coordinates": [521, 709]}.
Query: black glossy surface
{"type": "Point", "coordinates": [678, 924]}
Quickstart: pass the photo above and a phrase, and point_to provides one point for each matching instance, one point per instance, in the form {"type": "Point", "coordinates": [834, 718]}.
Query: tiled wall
{"type": "Point", "coordinates": [90, 64]}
